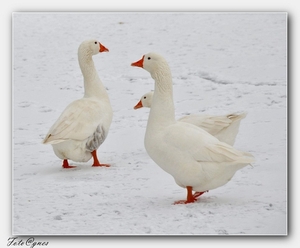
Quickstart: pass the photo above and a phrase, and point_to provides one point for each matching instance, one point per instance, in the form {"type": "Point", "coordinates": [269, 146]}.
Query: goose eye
{"type": "Point", "coordinates": [96, 42]}
{"type": "Point", "coordinates": [149, 58]}
{"type": "Point", "coordinates": [145, 97]}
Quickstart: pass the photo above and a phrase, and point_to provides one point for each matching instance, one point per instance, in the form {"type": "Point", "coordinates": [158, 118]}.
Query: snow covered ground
{"type": "Point", "coordinates": [221, 63]}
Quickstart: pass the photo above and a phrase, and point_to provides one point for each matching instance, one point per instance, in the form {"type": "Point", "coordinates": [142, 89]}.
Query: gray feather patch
{"type": "Point", "coordinates": [95, 140]}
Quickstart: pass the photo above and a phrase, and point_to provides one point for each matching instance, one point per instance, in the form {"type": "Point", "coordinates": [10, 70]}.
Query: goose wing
{"type": "Point", "coordinates": [78, 121]}
{"type": "Point", "coordinates": [201, 146]}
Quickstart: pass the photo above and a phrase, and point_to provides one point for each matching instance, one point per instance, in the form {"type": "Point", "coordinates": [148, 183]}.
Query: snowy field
{"type": "Point", "coordinates": [221, 63]}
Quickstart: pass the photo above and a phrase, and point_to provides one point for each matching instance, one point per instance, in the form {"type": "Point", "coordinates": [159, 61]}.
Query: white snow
{"type": "Point", "coordinates": [221, 62]}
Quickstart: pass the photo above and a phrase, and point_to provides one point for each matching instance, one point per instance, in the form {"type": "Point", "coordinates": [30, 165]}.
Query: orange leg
{"type": "Point", "coordinates": [96, 161]}
{"type": "Point", "coordinates": [190, 198]}
{"type": "Point", "coordinates": [66, 164]}
{"type": "Point", "coordinates": [197, 194]}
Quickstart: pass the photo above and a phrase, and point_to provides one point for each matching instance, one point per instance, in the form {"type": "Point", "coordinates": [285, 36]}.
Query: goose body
{"type": "Point", "coordinates": [223, 127]}
{"type": "Point", "coordinates": [84, 124]}
{"type": "Point", "coordinates": [197, 160]}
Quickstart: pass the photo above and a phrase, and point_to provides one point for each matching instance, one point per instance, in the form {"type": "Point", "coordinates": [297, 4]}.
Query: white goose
{"type": "Point", "coordinates": [197, 160]}
{"type": "Point", "coordinates": [84, 124]}
{"type": "Point", "coordinates": [223, 127]}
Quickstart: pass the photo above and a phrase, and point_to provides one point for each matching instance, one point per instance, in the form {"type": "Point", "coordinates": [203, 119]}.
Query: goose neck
{"type": "Point", "coordinates": [163, 80]}
{"type": "Point", "coordinates": [92, 83]}
{"type": "Point", "coordinates": [87, 67]}
{"type": "Point", "coordinates": [162, 107]}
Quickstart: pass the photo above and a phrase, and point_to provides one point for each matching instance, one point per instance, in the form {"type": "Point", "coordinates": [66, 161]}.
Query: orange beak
{"type": "Point", "coordinates": [139, 63]}
{"type": "Point", "coordinates": [103, 48]}
{"type": "Point", "coordinates": [139, 105]}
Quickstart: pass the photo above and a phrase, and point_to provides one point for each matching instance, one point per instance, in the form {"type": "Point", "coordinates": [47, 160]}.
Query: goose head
{"type": "Point", "coordinates": [91, 47]}
{"type": "Point", "coordinates": [145, 101]}
{"type": "Point", "coordinates": [153, 63]}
